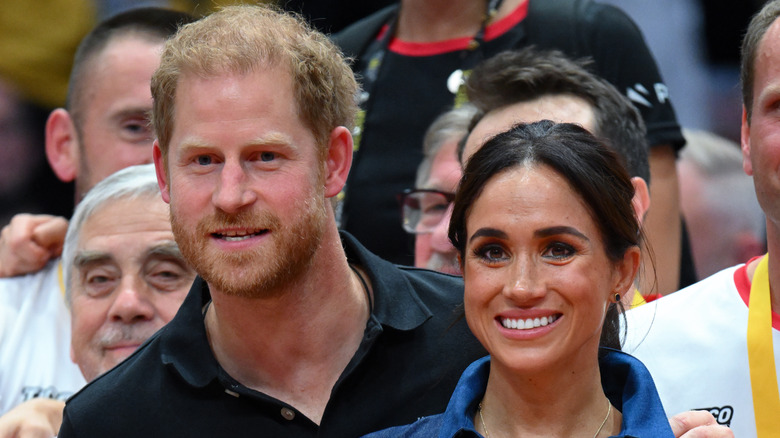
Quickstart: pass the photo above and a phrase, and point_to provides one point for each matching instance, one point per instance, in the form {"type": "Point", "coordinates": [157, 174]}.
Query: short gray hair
{"type": "Point", "coordinates": [130, 183]}
{"type": "Point", "coordinates": [453, 124]}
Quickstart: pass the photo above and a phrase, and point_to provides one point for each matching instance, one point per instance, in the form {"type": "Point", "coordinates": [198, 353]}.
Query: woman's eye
{"type": "Point", "coordinates": [491, 253]}
{"type": "Point", "coordinates": [559, 251]}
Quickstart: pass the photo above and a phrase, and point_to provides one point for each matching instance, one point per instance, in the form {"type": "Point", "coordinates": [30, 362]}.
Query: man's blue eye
{"type": "Point", "coordinates": [267, 156]}
{"type": "Point", "coordinates": [204, 160]}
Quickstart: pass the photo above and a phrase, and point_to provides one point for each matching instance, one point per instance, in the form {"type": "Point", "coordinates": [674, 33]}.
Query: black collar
{"type": "Point", "coordinates": [185, 347]}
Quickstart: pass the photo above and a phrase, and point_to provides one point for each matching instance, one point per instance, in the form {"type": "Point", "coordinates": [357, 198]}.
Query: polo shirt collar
{"type": "Point", "coordinates": [392, 291]}
{"type": "Point", "coordinates": [184, 343]}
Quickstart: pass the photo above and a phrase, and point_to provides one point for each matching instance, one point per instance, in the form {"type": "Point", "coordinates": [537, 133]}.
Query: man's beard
{"type": "Point", "coordinates": [262, 271]}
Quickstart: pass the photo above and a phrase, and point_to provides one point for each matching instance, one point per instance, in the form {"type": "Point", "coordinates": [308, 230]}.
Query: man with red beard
{"type": "Point", "coordinates": [292, 329]}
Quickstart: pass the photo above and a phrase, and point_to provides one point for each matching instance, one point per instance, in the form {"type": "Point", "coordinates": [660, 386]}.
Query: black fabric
{"type": "Point", "coordinates": [687, 266]}
{"type": "Point", "coordinates": [411, 91]}
{"type": "Point", "coordinates": [413, 351]}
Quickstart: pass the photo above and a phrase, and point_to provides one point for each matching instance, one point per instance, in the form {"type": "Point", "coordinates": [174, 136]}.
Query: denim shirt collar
{"type": "Point", "coordinates": [626, 382]}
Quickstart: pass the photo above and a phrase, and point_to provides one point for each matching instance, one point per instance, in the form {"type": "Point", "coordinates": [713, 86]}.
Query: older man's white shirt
{"type": "Point", "coordinates": [35, 339]}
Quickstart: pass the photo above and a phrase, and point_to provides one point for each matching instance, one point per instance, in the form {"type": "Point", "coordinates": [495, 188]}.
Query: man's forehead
{"type": "Point", "coordinates": [767, 64]}
{"type": "Point", "coordinates": [127, 219]}
{"type": "Point", "coordinates": [119, 46]}
{"type": "Point", "coordinates": [118, 41]}
{"type": "Point", "coordinates": [445, 168]}
{"type": "Point", "coordinates": [560, 108]}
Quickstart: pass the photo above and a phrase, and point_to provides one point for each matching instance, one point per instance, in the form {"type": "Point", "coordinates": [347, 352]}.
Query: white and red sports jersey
{"type": "Point", "coordinates": [694, 342]}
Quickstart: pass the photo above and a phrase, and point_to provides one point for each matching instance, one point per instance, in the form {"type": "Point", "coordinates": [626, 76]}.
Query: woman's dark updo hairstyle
{"type": "Point", "coordinates": [592, 170]}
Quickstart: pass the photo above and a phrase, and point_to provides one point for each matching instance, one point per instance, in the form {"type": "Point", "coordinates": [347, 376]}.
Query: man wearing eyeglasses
{"type": "Point", "coordinates": [426, 210]}
{"type": "Point", "coordinates": [513, 87]}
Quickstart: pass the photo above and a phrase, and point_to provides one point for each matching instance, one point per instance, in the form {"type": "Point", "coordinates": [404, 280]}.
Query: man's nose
{"type": "Point", "coordinates": [131, 302]}
{"type": "Point", "coordinates": [233, 192]}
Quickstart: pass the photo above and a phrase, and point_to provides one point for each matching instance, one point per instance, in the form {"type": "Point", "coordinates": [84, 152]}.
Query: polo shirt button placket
{"type": "Point", "coordinates": [288, 414]}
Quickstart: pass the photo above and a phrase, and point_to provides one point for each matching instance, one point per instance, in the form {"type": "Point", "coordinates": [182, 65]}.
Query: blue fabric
{"type": "Point", "coordinates": [625, 380]}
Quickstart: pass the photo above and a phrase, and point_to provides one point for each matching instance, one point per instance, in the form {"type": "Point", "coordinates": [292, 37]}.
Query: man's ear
{"type": "Point", "coordinates": [641, 200]}
{"type": "Point", "coordinates": [62, 145]}
{"type": "Point", "coordinates": [338, 161]}
{"type": "Point", "coordinates": [747, 165]}
{"type": "Point", "coordinates": [162, 175]}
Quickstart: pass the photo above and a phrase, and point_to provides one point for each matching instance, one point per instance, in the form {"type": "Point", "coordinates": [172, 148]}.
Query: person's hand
{"type": "Point", "coordinates": [36, 418]}
{"type": "Point", "coordinates": [29, 241]}
{"type": "Point", "coordinates": [698, 424]}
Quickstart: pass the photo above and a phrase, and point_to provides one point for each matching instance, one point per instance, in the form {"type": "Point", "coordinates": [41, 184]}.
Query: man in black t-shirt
{"type": "Point", "coordinates": [412, 65]}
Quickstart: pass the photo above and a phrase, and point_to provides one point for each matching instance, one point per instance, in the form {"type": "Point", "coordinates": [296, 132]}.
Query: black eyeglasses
{"type": "Point", "coordinates": [423, 209]}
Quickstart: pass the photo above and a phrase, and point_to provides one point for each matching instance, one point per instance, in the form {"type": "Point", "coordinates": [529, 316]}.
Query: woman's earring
{"type": "Point", "coordinates": [617, 297]}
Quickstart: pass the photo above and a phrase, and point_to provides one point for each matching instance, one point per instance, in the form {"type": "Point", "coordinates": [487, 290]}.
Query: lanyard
{"type": "Point", "coordinates": [375, 55]}
{"type": "Point", "coordinates": [378, 49]}
{"type": "Point", "coordinates": [761, 357]}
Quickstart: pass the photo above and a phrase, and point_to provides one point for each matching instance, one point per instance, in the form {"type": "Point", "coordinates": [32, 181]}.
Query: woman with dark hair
{"type": "Point", "coordinates": [548, 242]}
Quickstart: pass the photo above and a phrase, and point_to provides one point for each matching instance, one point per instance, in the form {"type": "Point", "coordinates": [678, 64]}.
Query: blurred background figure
{"type": "Point", "coordinates": [725, 223]}
{"type": "Point", "coordinates": [425, 210]}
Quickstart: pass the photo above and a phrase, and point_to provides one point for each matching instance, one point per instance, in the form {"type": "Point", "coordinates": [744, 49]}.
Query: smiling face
{"type": "Point", "coordinates": [538, 281]}
{"type": "Point", "coordinates": [128, 281]}
{"type": "Point", "coordinates": [245, 180]}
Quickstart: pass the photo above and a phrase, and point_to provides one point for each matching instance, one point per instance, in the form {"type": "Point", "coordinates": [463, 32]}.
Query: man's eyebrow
{"type": "Point", "coordinates": [270, 139]}
{"type": "Point", "coordinates": [132, 112]}
{"type": "Point", "coordinates": [168, 250]}
{"type": "Point", "coordinates": [85, 258]}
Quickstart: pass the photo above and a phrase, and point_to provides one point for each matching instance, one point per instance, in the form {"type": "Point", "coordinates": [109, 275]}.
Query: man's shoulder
{"type": "Point", "coordinates": [693, 313]}
{"type": "Point", "coordinates": [132, 388]}
{"type": "Point", "coordinates": [437, 284]}
{"type": "Point", "coordinates": [707, 291]}
{"type": "Point", "coordinates": [406, 284]}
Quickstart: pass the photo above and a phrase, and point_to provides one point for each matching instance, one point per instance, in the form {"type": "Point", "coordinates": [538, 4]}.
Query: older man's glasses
{"type": "Point", "coordinates": [423, 209]}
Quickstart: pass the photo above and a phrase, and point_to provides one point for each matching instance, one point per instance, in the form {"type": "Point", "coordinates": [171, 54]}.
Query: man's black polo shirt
{"type": "Point", "coordinates": [413, 351]}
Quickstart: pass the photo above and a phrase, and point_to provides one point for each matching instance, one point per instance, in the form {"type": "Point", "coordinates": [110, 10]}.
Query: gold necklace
{"type": "Point", "coordinates": [487, 434]}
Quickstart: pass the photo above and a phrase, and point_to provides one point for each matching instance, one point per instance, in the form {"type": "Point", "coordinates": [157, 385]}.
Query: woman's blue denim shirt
{"type": "Point", "coordinates": [625, 380]}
